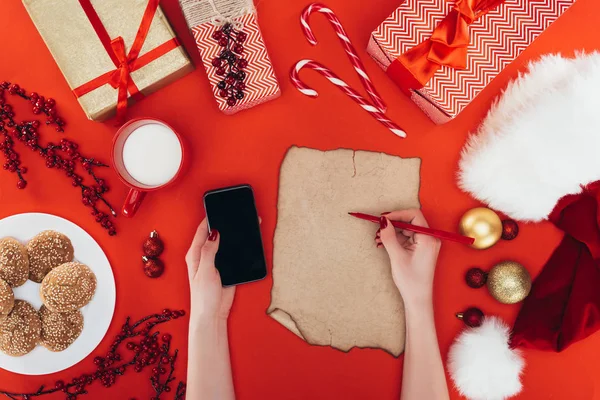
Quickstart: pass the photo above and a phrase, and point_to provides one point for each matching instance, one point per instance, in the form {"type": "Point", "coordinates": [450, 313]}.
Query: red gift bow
{"type": "Point", "coordinates": [447, 46]}
{"type": "Point", "coordinates": [126, 63]}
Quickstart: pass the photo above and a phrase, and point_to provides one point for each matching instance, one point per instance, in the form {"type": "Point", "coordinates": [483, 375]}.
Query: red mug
{"type": "Point", "coordinates": [137, 189]}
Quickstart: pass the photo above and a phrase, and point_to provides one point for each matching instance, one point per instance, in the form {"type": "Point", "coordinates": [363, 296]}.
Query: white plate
{"type": "Point", "coordinates": [97, 314]}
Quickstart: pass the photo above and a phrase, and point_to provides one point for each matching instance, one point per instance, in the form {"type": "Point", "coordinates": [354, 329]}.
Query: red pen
{"type": "Point", "coordinates": [454, 237]}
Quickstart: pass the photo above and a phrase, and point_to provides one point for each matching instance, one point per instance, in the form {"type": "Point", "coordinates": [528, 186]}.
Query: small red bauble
{"type": "Point", "coordinates": [476, 278]}
{"type": "Point", "coordinates": [510, 229]}
{"type": "Point", "coordinates": [153, 246]}
{"type": "Point", "coordinates": [153, 268]}
{"type": "Point", "coordinates": [230, 80]}
{"type": "Point", "coordinates": [472, 317]}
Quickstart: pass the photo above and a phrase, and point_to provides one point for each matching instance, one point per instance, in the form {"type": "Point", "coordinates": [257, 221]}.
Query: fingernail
{"type": "Point", "coordinates": [383, 222]}
{"type": "Point", "coordinates": [385, 213]}
{"type": "Point", "coordinates": [213, 235]}
{"type": "Point", "coordinates": [379, 245]}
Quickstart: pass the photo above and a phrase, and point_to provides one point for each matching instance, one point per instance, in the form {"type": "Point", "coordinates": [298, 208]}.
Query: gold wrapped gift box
{"type": "Point", "coordinates": [81, 56]}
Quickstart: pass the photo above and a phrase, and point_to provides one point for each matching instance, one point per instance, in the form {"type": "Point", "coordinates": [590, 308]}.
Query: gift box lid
{"type": "Point", "coordinates": [79, 53]}
{"type": "Point", "coordinates": [204, 18]}
{"type": "Point", "coordinates": [497, 38]}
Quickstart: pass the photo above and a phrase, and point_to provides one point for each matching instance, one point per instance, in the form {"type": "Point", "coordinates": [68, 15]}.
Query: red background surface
{"type": "Point", "coordinates": [268, 361]}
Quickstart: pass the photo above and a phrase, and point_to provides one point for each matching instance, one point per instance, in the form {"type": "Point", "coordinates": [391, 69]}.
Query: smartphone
{"type": "Point", "coordinates": [241, 257]}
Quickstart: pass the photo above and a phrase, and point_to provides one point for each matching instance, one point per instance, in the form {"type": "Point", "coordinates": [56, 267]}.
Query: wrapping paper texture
{"type": "Point", "coordinates": [497, 38]}
{"type": "Point", "coordinates": [80, 55]}
{"type": "Point", "coordinates": [261, 82]}
{"type": "Point", "coordinates": [331, 285]}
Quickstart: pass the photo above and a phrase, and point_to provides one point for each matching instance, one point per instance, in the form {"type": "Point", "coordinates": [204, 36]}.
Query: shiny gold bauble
{"type": "Point", "coordinates": [483, 225]}
{"type": "Point", "coordinates": [509, 282]}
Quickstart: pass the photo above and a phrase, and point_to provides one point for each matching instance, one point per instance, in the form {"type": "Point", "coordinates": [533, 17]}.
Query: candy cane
{"type": "Point", "coordinates": [350, 50]}
{"type": "Point", "coordinates": [333, 78]}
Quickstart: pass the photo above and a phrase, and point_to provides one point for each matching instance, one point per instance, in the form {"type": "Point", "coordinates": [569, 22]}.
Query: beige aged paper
{"type": "Point", "coordinates": [331, 285]}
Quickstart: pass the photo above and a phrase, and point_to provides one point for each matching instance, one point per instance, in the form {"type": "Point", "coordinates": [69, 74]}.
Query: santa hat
{"type": "Point", "coordinates": [536, 156]}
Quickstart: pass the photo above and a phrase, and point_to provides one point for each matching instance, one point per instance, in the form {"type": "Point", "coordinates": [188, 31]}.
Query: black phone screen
{"type": "Point", "coordinates": [232, 211]}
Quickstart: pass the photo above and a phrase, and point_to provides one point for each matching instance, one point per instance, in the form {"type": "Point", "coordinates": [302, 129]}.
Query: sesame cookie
{"type": "Point", "coordinates": [20, 330]}
{"type": "Point", "coordinates": [68, 287]}
{"type": "Point", "coordinates": [14, 262]}
{"type": "Point", "coordinates": [48, 250]}
{"type": "Point", "coordinates": [7, 299]}
{"type": "Point", "coordinates": [60, 330]}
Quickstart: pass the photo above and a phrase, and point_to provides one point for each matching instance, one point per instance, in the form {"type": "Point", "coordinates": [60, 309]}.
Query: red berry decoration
{"type": "Point", "coordinates": [153, 267]}
{"type": "Point", "coordinates": [62, 156]}
{"type": "Point", "coordinates": [472, 317]}
{"type": "Point", "coordinates": [230, 63]}
{"type": "Point", "coordinates": [153, 246]}
{"type": "Point", "coordinates": [146, 352]}
{"type": "Point", "coordinates": [510, 229]}
{"type": "Point", "coordinates": [476, 278]}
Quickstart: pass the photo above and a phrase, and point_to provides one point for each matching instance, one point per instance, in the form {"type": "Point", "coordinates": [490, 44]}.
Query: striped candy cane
{"type": "Point", "coordinates": [333, 78]}
{"type": "Point", "coordinates": [350, 50]}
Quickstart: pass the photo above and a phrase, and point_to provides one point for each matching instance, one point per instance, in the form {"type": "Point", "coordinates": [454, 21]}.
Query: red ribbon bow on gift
{"type": "Point", "coordinates": [447, 46]}
{"type": "Point", "coordinates": [126, 63]}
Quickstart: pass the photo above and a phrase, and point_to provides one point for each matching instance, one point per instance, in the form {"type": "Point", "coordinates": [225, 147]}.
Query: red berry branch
{"type": "Point", "coordinates": [147, 351]}
{"type": "Point", "coordinates": [230, 63]}
{"type": "Point", "coordinates": [63, 156]}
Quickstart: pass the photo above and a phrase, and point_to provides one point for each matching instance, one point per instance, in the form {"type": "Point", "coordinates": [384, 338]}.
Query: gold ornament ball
{"type": "Point", "coordinates": [483, 225]}
{"type": "Point", "coordinates": [509, 282]}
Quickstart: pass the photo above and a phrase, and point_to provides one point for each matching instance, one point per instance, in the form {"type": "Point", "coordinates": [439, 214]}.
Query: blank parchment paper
{"type": "Point", "coordinates": [331, 285]}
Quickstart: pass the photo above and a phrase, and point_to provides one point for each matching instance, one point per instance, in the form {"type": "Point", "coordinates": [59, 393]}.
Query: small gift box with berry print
{"type": "Point", "coordinates": [233, 52]}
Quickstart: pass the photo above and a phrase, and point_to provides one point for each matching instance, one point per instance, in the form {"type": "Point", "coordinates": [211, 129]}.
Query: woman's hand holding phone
{"type": "Point", "coordinates": [211, 302]}
{"type": "Point", "coordinates": [209, 367]}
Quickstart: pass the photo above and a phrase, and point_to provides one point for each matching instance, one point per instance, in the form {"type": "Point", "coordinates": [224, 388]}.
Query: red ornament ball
{"type": "Point", "coordinates": [153, 268]}
{"type": "Point", "coordinates": [472, 317]}
{"type": "Point", "coordinates": [510, 229]}
{"type": "Point", "coordinates": [153, 246]}
{"type": "Point", "coordinates": [476, 277]}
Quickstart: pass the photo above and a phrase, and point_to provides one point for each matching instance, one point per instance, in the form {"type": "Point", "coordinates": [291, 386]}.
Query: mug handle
{"type": "Point", "coordinates": [132, 202]}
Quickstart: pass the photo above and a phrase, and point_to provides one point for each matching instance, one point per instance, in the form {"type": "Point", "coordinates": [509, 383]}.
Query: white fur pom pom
{"type": "Point", "coordinates": [482, 365]}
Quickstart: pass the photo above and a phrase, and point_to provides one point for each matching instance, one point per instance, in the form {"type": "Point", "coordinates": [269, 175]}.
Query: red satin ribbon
{"type": "Point", "coordinates": [447, 46]}
{"type": "Point", "coordinates": [125, 63]}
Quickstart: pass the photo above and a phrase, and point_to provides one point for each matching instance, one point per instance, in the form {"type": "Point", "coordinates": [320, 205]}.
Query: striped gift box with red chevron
{"type": "Point", "coordinates": [261, 83]}
{"type": "Point", "coordinates": [497, 38]}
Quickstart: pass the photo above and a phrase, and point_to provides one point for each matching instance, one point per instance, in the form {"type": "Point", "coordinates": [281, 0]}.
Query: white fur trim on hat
{"type": "Point", "coordinates": [540, 140]}
{"type": "Point", "coordinates": [482, 365]}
